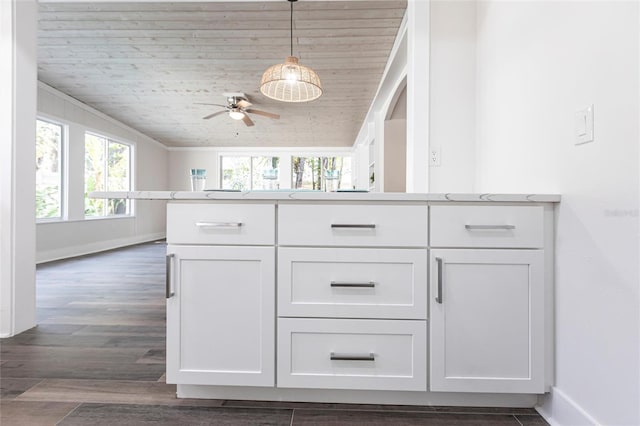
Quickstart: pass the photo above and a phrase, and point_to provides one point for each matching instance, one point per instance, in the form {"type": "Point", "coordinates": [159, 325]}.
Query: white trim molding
{"type": "Point", "coordinates": [558, 409]}
{"type": "Point", "coordinates": [96, 247]}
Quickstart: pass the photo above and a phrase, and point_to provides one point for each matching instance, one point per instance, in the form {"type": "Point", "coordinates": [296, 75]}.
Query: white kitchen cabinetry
{"type": "Point", "coordinates": [434, 303]}
{"type": "Point", "coordinates": [352, 354]}
{"type": "Point", "coordinates": [349, 225]}
{"type": "Point", "coordinates": [382, 291]}
{"type": "Point", "coordinates": [352, 283]}
{"type": "Point", "coordinates": [487, 305]}
{"type": "Point", "coordinates": [220, 299]}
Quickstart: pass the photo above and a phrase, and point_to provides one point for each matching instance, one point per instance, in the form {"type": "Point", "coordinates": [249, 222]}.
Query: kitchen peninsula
{"type": "Point", "coordinates": [398, 298]}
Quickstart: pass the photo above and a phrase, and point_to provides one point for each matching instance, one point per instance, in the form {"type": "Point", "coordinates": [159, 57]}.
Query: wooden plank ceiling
{"type": "Point", "coordinates": [148, 64]}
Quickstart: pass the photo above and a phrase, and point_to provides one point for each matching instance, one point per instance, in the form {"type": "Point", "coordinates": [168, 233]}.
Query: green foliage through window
{"type": "Point", "coordinates": [321, 173]}
{"type": "Point", "coordinates": [107, 167]}
{"type": "Point", "coordinates": [48, 169]}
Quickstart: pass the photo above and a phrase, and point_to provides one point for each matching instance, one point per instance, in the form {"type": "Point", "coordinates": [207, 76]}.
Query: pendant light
{"type": "Point", "coordinates": [290, 81]}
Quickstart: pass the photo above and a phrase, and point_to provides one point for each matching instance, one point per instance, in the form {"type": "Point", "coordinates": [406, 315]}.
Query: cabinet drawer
{"type": "Point", "coordinates": [213, 223]}
{"type": "Point", "coordinates": [352, 225]}
{"type": "Point", "coordinates": [352, 283]}
{"type": "Point", "coordinates": [487, 226]}
{"type": "Point", "coordinates": [352, 354]}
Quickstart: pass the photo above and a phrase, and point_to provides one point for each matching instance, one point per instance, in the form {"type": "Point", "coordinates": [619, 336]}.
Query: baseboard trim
{"type": "Point", "coordinates": [558, 409]}
{"type": "Point", "coordinates": [82, 250]}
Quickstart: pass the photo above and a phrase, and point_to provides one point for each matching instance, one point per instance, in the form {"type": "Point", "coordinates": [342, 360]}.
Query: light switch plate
{"type": "Point", "coordinates": [434, 156]}
{"type": "Point", "coordinates": [584, 125]}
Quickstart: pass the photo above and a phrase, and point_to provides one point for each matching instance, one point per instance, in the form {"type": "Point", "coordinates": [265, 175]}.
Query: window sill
{"type": "Point", "coordinates": [116, 217]}
{"type": "Point", "coordinates": [86, 219]}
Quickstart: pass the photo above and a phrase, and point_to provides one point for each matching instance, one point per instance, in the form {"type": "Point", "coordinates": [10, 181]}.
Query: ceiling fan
{"type": "Point", "coordinates": [239, 108]}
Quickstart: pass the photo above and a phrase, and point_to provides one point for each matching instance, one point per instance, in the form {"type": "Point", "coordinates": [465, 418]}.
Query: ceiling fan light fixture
{"type": "Point", "coordinates": [290, 81]}
{"type": "Point", "coordinates": [236, 114]}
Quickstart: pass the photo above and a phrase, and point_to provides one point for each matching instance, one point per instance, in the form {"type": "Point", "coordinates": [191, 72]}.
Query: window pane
{"type": "Point", "coordinates": [321, 173]}
{"type": "Point", "coordinates": [265, 172]}
{"type": "Point", "coordinates": [118, 171]}
{"type": "Point", "coordinates": [118, 176]}
{"type": "Point", "coordinates": [48, 170]}
{"type": "Point", "coordinates": [236, 173]}
{"type": "Point", "coordinates": [338, 173]}
{"type": "Point", "coordinates": [306, 173]}
{"type": "Point", "coordinates": [94, 173]}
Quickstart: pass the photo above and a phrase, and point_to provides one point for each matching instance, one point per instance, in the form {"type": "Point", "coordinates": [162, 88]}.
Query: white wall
{"type": "Point", "coordinates": [77, 236]}
{"type": "Point", "coordinates": [539, 62]}
{"type": "Point", "coordinates": [18, 23]}
{"type": "Point", "coordinates": [452, 90]}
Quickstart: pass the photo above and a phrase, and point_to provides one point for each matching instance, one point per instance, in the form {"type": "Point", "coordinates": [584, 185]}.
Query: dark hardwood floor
{"type": "Point", "coordinates": [97, 357]}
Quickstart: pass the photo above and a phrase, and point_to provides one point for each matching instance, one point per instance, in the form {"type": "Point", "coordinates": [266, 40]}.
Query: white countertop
{"type": "Point", "coordinates": [284, 195]}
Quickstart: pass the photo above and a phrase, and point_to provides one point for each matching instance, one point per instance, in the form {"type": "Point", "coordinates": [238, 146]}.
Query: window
{"type": "Point", "coordinates": [321, 173]}
{"type": "Point", "coordinates": [107, 167]}
{"type": "Point", "coordinates": [49, 138]}
{"type": "Point", "coordinates": [246, 173]}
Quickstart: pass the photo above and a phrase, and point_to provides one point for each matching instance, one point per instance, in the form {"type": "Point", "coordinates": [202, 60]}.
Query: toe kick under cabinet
{"type": "Point", "coordinates": [269, 300]}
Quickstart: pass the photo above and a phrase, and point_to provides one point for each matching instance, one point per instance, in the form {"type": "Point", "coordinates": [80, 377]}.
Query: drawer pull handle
{"type": "Point", "coordinates": [169, 260]}
{"type": "Point", "coordinates": [503, 227]}
{"type": "Point", "coordinates": [439, 294]}
{"type": "Point", "coordinates": [354, 225]}
{"type": "Point", "coordinates": [218, 224]}
{"type": "Point", "coordinates": [369, 284]}
{"type": "Point", "coordinates": [352, 357]}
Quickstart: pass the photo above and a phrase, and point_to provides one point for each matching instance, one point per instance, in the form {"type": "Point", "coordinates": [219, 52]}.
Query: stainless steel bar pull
{"type": "Point", "coordinates": [369, 284]}
{"type": "Point", "coordinates": [168, 292]}
{"type": "Point", "coordinates": [352, 357]}
{"type": "Point", "coordinates": [218, 224]}
{"type": "Point", "coordinates": [439, 294]}
{"type": "Point", "coordinates": [488, 227]}
{"type": "Point", "coordinates": [354, 225]}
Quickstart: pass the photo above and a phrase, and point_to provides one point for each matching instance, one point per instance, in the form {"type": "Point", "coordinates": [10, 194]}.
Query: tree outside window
{"type": "Point", "coordinates": [321, 173]}
{"type": "Point", "coordinates": [48, 170]}
{"type": "Point", "coordinates": [107, 167]}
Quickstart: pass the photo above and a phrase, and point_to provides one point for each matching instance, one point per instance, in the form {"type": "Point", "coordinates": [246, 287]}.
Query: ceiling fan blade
{"type": "Point", "coordinates": [200, 103]}
{"type": "Point", "coordinates": [243, 104]}
{"type": "Point", "coordinates": [214, 114]}
{"type": "Point", "coordinates": [264, 113]}
{"type": "Point", "coordinates": [247, 121]}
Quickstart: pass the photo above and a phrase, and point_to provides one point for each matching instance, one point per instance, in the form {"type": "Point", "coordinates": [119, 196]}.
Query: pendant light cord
{"type": "Point", "coordinates": [291, 32]}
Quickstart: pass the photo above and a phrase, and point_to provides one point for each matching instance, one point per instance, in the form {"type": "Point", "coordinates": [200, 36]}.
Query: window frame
{"type": "Point", "coordinates": [132, 152]}
{"type": "Point", "coordinates": [64, 168]}
{"type": "Point", "coordinates": [251, 156]}
{"type": "Point", "coordinates": [285, 164]}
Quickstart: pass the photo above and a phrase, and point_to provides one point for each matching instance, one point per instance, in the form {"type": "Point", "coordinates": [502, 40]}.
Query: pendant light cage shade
{"type": "Point", "coordinates": [291, 82]}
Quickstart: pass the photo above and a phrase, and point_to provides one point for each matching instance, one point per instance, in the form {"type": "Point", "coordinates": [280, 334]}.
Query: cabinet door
{"type": "Point", "coordinates": [487, 321]}
{"type": "Point", "coordinates": [221, 316]}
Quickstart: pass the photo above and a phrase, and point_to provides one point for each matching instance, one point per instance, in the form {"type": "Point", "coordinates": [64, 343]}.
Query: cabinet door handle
{"type": "Point", "coordinates": [352, 285]}
{"type": "Point", "coordinates": [354, 225]}
{"type": "Point", "coordinates": [352, 357]}
{"type": "Point", "coordinates": [168, 291]}
{"type": "Point", "coordinates": [480, 227]}
{"type": "Point", "coordinates": [218, 224]}
{"type": "Point", "coordinates": [439, 294]}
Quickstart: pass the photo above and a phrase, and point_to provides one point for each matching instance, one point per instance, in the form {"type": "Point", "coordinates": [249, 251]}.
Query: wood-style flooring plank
{"type": "Point", "coordinates": [11, 388]}
{"type": "Point", "coordinates": [110, 392]}
{"type": "Point", "coordinates": [134, 415]}
{"type": "Point", "coordinates": [30, 413]}
{"type": "Point", "coordinates": [377, 418]}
